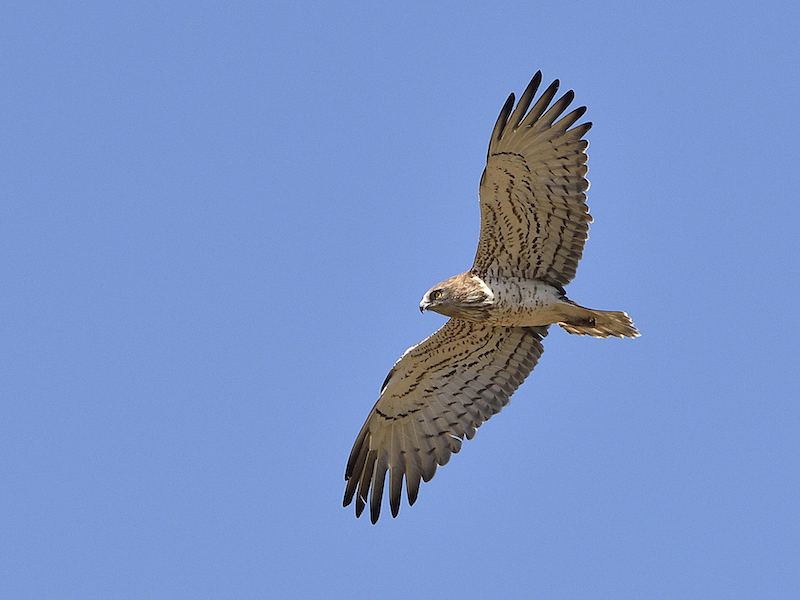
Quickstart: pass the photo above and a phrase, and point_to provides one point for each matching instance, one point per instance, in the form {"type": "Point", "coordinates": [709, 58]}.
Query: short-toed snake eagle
{"type": "Point", "coordinates": [534, 223]}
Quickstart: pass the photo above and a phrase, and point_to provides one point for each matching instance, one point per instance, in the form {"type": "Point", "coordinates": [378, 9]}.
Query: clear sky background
{"type": "Point", "coordinates": [217, 221]}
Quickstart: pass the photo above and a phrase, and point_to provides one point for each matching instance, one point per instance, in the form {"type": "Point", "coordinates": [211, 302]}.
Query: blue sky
{"type": "Point", "coordinates": [217, 222]}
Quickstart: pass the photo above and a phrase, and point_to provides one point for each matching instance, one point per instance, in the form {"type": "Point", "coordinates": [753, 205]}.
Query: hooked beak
{"type": "Point", "coordinates": [423, 306]}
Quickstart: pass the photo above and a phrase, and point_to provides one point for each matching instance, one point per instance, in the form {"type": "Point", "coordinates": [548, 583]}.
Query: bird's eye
{"type": "Point", "coordinates": [436, 295]}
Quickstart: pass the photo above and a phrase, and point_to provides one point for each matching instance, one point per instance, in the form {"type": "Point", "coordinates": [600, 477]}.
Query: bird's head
{"type": "Point", "coordinates": [464, 296]}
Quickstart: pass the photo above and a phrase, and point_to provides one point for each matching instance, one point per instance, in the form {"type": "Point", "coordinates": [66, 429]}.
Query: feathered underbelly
{"type": "Point", "coordinates": [524, 303]}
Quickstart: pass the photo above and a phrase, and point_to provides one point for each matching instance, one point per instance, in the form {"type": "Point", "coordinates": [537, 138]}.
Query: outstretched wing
{"type": "Point", "coordinates": [534, 218]}
{"type": "Point", "coordinates": [439, 391]}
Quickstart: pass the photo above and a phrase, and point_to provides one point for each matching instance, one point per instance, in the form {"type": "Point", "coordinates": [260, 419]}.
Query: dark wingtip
{"type": "Point", "coordinates": [508, 105]}
{"type": "Point", "coordinates": [500, 124]}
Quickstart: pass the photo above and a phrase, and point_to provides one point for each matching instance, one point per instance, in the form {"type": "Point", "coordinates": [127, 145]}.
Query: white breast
{"type": "Point", "coordinates": [524, 303]}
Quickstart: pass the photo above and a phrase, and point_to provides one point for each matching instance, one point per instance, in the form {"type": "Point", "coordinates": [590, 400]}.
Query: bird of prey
{"type": "Point", "coordinates": [534, 223]}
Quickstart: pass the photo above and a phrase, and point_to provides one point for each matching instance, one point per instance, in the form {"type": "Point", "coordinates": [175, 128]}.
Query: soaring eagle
{"type": "Point", "coordinates": [534, 223]}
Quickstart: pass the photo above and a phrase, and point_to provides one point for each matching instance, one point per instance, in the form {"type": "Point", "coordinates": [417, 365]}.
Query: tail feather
{"type": "Point", "coordinates": [598, 323]}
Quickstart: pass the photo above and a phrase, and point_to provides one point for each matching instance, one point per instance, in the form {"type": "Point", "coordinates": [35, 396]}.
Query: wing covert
{"type": "Point", "coordinates": [439, 392]}
{"type": "Point", "coordinates": [534, 218]}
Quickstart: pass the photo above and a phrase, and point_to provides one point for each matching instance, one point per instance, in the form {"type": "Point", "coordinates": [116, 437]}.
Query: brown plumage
{"type": "Point", "coordinates": [534, 223]}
